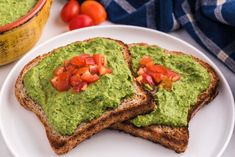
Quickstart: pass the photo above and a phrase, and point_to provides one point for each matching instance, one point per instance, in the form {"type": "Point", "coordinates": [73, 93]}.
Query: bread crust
{"type": "Point", "coordinates": [140, 103]}
{"type": "Point", "coordinates": [175, 138]}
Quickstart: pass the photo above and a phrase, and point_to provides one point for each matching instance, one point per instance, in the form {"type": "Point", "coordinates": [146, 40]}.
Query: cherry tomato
{"type": "Point", "coordinates": [61, 82]}
{"type": "Point", "coordinates": [95, 10]}
{"type": "Point", "coordinates": [70, 9]}
{"type": "Point", "coordinates": [80, 21]}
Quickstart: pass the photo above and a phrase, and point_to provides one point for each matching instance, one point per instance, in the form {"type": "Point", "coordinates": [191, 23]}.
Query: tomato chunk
{"type": "Point", "coordinates": [75, 80]}
{"type": "Point", "coordinates": [59, 70]}
{"type": "Point", "coordinates": [100, 59]}
{"type": "Point", "coordinates": [82, 70]}
{"type": "Point", "coordinates": [104, 70]}
{"type": "Point", "coordinates": [146, 60]}
{"type": "Point", "coordinates": [80, 87]}
{"type": "Point", "coordinates": [94, 69]}
{"type": "Point", "coordinates": [89, 61]}
{"type": "Point", "coordinates": [71, 69]}
{"type": "Point", "coordinates": [80, 60]}
{"type": "Point", "coordinates": [77, 61]}
{"type": "Point", "coordinates": [89, 78]}
{"type": "Point", "coordinates": [157, 69]}
{"type": "Point", "coordinates": [61, 82]}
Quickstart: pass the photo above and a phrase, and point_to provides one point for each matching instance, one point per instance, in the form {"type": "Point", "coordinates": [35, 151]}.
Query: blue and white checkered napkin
{"type": "Point", "coordinates": [210, 22]}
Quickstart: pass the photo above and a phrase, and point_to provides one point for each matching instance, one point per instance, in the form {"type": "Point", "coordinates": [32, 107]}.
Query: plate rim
{"type": "Point", "coordinates": [218, 71]}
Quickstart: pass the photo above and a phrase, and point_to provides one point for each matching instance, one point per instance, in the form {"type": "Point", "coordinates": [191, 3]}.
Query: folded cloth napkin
{"type": "Point", "coordinates": [210, 22]}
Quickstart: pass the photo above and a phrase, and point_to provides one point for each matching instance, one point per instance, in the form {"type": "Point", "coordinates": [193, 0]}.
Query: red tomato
{"type": "Point", "coordinates": [70, 9]}
{"type": "Point", "coordinates": [79, 60]}
{"type": "Point", "coordinates": [100, 59]}
{"type": "Point", "coordinates": [146, 60]}
{"type": "Point", "coordinates": [95, 10]}
{"type": "Point", "coordinates": [80, 87]}
{"type": "Point", "coordinates": [104, 70]}
{"type": "Point", "coordinates": [71, 69]}
{"type": "Point", "coordinates": [89, 61]}
{"type": "Point", "coordinates": [157, 69]}
{"type": "Point", "coordinates": [173, 76]}
{"type": "Point", "coordinates": [141, 71]}
{"type": "Point", "coordinates": [157, 77]}
{"type": "Point", "coordinates": [80, 21]}
{"type": "Point", "coordinates": [59, 70]}
{"type": "Point", "coordinates": [94, 69]}
{"type": "Point", "coordinates": [61, 82]}
{"type": "Point", "coordinates": [82, 70]}
{"type": "Point", "coordinates": [89, 78]}
{"type": "Point", "coordinates": [75, 80]}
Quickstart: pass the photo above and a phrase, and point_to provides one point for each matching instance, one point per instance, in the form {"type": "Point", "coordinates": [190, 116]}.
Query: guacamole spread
{"type": "Point", "coordinates": [66, 110]}
{"type": "Point", "coordinates": [172, 106]}
{"type": "Point", "coordinates": [12, 10]}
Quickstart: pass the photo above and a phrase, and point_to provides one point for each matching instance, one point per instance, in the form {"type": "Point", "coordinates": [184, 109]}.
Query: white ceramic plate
{"type": "Point", "coordinates": [210, 129]}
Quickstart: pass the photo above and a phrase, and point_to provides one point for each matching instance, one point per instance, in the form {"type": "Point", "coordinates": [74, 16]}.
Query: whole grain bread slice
{"type": "Point", "coordinates": [175, 138]}
{"type": "Point", "coordinates": [140, 103]}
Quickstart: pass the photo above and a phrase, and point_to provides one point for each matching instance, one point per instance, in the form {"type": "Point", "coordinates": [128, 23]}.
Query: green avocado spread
{"type": "Point", "coordinates": [12, 10]}
{"type": "Point", "coordinates": [66, 110]}
{"type": "Point", "coordinates": [172, 106]}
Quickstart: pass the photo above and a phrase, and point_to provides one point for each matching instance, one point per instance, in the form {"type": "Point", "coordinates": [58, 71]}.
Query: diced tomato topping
{"type": "Point", "coordinates": [80, 87]}
{"type": "Point", "coordinates": [173, 76]}
{"type": "Point", "coordinates": [146, 60]}
{"type": "Point", "coordinates": [80, 71]}
{"type": "Point", "coordinates": [100, 59]}
{"type": "Point", "coordinates": [71, 69]}
{"type": "Point", "coordinates": [61, 81]}
{"type": "Point", "coordinates": [153, 74]}
{"type": "Point", "coordinates": [78, 61]}
{"type": "Point", "coordinates": [94, 69]}
{"type": "Point", "coordinates": [157, 69]}
{"type": "Point", "coordinates": [75, 80]}
{"type": "Point", "coordinates": [89, 78]}
{"type": "Point", "coordinates": [89, 61]}
{"type": "Point", "coordinates": [103, 70]}
{"type": "Point", "coordinates": [141, 71]}
{"type": "Point", "coordinates": [59, 70]}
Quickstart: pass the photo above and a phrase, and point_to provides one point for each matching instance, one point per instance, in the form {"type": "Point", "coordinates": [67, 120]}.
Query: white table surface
{"type": "Point", "coordinates": [55, 26]}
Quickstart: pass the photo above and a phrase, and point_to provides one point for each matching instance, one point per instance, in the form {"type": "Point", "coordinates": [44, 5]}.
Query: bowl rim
{"type": "Point", "coordinates": [24, 18]}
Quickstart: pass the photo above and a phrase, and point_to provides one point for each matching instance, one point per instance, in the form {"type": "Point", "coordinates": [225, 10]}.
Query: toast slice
{"type": "Point", "coordinates": [175, 138]}
{"type": "Point", "coordinates": [139, 103]}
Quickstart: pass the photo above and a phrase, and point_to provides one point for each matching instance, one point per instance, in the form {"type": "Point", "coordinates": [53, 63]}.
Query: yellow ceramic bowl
{"type": "Point", "coordinates": [20, 36]}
